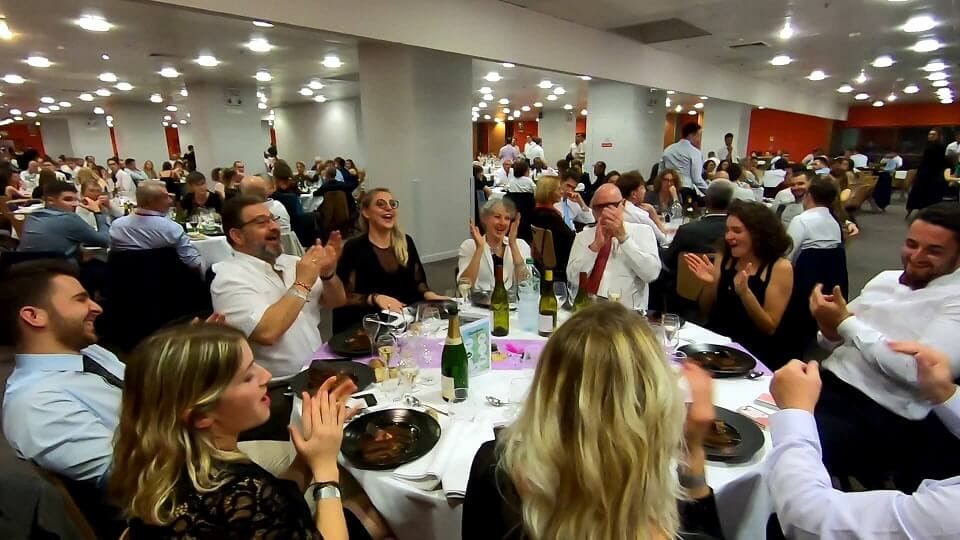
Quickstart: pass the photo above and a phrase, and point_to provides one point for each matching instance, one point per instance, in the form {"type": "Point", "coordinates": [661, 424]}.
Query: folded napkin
{"type": "Point", "coordinates": [448, 464]}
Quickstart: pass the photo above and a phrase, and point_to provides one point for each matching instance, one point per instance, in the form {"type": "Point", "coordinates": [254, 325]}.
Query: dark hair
{"type": "Point", "coordinates": [167, 166]}
{"type": "Point", "coordinates": [539, 141]}
{"type": "Point", "coordinates": [810, 175]}
{"type": "Point", "coordinates": [478, 170]}
{"type": "Point", "coordinates": [781, 164]}
{"type": "Point", "coordinates": [113, 159]}
{"type": "Point", "coordinates": [232, 213]}
{"type": "Point", "coordinates": [196, 178]}
{"type": "Point", "coordinates": [735, 171]}
{"type": "Point", "coordinates": [658, 181]}
{"type": "Point", "coordinates": [689, 129]}
{"type": "Point", "coordinates": [226, 175]}
{"type": "Point", "coordinates": [728, 135]}
{"type": "Point", "coordinates": [629, 182]}
{"type": "Point", "coordinates": [215, 174]}
{"type": "Point", "coordinates": [823, 192]}
{"type": "Point", "coordinates": [942, 214]}
{"type": "Point", "coordinates": [26, 284]}
{"type": "Point", "coordinates": [520, 168]}
{"type": "Point", "coordinates": [570, 174]}
{"type": "Point", "coordinates": [611, 174]}
{"type": "Point", "coordinates": [719, 195]}
{"type": "Point", "coordinates": [55, 188]}
{"type": "Point", "coordinates": [272, 151]}
{"type": "Point", "coordinates": [128, 161]}
{"type": "Point", "coordinates": [282, 170]}
{"type": "Point", "coordinates": [339, 162]}
{"type": "Point", "coordinates": [769, 238]}
{"type": "Point", "coordinates": [724, 165]}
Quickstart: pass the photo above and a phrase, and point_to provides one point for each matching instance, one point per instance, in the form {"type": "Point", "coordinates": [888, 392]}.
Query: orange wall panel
{"type": "Point", "coordinates": [23, 136]}
{"type": "Point", "coordinates": [797, 134]}
{"type": "Point", "coordinates": [903, 114]}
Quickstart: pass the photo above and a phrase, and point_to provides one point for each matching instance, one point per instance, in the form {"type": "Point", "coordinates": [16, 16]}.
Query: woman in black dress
{"type": "Point", "coordinates": [381, 268]}
{"type": "Point", "coordinates": [747, 290]}
{"type": "Point", "coordinates": [929, 186]}
{"type": "Point", "coordinates": [547, 216]}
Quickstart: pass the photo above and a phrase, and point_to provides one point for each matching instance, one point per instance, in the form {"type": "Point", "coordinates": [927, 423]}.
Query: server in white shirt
{"type": "Point", "coordinates": [636, 210]}
{"type": "Point", "coordinates": [571, 205]}
{"type": "Point", "coordinates": [859, 159]}
{"type": "Point", "coordinates": [872, 416]}
{"type": "Point", "coordinates": [521, 182]}
{"type": "Point", "coordinates": [31, 177]}
{"type": "Point", "coordinates": [275, 299]}
{"type": "Point", "coordinates": [576, 148]}
{"type": "Point", "coordinates": [504, 173]}
{"type": "Point", "coordinates": [806, 504]}
{"type": "Point", "coordinates": [497, 246]}
{"type": "Point", "coordinates": [534, 149]}
{"type": "Point", "coordinates": [124, 183]}
{"type": "Point", "coordinates": [815, 227]}
{"type": "Point", "coordinates": [727, 151]}
{"type": "Point", "coordinates": [685, 157]}
{"type": "Point", "coordinates": [258, 186]}
{"type": "Point", "coordinates": [620, 258]}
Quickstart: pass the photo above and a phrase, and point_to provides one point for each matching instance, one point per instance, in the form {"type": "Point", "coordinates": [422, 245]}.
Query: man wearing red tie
{"type": "Point", "coordinates": [620, 258]}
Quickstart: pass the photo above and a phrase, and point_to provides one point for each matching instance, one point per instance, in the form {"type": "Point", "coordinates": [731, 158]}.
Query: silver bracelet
{"type": "Point", "coordinates": [293, 291]}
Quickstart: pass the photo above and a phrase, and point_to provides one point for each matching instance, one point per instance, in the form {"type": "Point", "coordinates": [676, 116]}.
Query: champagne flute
{"type": "Point", "coordinates": [386, 346]}
{"type": "Point", "coordinates": [671, 330]}
{"type": "Point", "coordinates": [463, 287]}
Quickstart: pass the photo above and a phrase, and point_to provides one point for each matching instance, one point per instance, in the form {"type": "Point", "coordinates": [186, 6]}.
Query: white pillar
{"type": "Point", "coordinates": [624, 126]}
{"type": "Point", "coordinates": [139, 132]}
{"type": "Point", "coordinates": [225, 127]}
{"type": "Point", "coordinates": [56, 137]}
{"type": "Point", "coordinates": [416, 129]}
{"type": "Point", "coordinates": [557, 129]}
{"type": "Point", "coordinates": [721, 117]}
{"type": "Point", "coordinates": [309, 130]}
{"type": "Point", "coordinates": [90, 136]}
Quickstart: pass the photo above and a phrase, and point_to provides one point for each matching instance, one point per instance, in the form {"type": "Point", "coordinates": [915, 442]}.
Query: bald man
{"type": "Point", "coordinates": [148, 227]}
{"type": "Point", "coordinates": [258, 186]}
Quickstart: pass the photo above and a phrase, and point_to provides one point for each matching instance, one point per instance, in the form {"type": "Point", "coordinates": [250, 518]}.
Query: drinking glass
{"type": "Point", "coordinates": [560, 290]}
{"type": "Point", "coordinates": [671, 330]}
{"type": "Point", "coordinates": [371, 327]}
{"type": "Point", "coordinates": [657, 329]}
{"type": "Point", "coordinates": [461, 406]}
{"type": "Point", "coordinates": [386, 346]}
{"type": "Point", "coordinates": [464, 287]}
{"type": "Point", "coordinates": [429, 317]}
{"type": "Point", "coordinates": [517, 394]}
{"type": "Point", "coordinates": [409, 369]}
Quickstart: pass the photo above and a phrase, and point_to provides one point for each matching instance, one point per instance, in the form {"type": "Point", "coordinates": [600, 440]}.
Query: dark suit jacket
{"type": "Point", "coordinates": [700, 236]}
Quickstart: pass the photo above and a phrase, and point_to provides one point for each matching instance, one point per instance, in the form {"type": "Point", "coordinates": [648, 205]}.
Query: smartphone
{"type": "Point", "coordinates": [362, 401]}
{"type": "Point", "coordinates": [761, 418]}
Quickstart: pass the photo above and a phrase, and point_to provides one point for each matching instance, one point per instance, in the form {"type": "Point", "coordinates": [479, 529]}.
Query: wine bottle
{"type": "Point", "coordinates": [453, 360]}
{"type": "Point", "coordinates": [548, 305]}
{"type": "Point", "coordinates": [583, 295]}
{"type": "Point", "coordinates": [500, 305]}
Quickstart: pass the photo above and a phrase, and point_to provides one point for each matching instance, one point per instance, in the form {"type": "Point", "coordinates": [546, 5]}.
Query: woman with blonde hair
{"type": "Point", "coordinates": [86, 174]}
{"type": "Point", "coordinates": [547, 215]}
{"type": "Point", "coordinates": [380, 269]}
{"type": "Point", "coordinates": [591, 455]}
{"type": "Point", "coordinates": [177, 472]}
{"type": "Point", "coordinates": [150, 170]}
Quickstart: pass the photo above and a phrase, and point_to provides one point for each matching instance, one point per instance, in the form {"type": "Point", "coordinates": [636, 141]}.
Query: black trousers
{"type": "Point", "coordinates": [865, 440]}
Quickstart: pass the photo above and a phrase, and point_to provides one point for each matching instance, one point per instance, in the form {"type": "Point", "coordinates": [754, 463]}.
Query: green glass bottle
{"type": "Point", "coordinates": [453, 360]}
{"type": "Point", "coordinates": [583, 296]}
{"type": "Point", "coordinates": [500, 305]}
{"type": "Point", "coordinates": [548, 306]}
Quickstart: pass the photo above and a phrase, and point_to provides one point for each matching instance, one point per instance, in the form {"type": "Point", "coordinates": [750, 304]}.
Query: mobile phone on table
{"type": "Point", "coordinates": [363, 401]}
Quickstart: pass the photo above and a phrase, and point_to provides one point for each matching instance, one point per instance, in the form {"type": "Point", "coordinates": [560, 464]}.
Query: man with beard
{"type": "Point", "coordinates": [873, 419]}
{"type": "Point", "coordinates": [274, 298]}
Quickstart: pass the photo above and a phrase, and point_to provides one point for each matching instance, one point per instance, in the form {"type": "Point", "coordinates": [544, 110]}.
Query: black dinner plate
{"type": "Point", "coordinates": [338, 343]}
{"type": "Point", "coordinates": [422, 430]}
{"type": "Point", "coordinates": [705, 354]}
{"type": "Point", "coordinates": [361, 374]}
{"type": "Point", "coordinates": [750, 438]}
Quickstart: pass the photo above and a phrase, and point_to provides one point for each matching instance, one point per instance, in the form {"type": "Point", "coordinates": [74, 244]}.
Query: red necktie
{"type": "Point", "coordinates": [593, 284]}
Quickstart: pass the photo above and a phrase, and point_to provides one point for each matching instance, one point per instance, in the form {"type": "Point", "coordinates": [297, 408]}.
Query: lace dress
{"type": "Point", "coordinates": [251, 504]}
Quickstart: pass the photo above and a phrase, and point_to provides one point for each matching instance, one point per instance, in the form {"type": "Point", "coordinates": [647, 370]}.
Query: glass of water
{"type": "Point", "coordinates": [409, 370]}
{"type": "Point", "coordinates": [463, 287]}
{"type": "Point", "coordinates": [671, 331]}
{"type": "Point", "coordinates": [560, 290]}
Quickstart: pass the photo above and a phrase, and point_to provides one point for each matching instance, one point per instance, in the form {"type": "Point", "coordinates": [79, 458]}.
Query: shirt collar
{"type": "Point", "coordinates": [145, 212]}
{"type": "Point", "coordinates": [49, 362]}
{"type": "Point", "coordinates": [260, 263]}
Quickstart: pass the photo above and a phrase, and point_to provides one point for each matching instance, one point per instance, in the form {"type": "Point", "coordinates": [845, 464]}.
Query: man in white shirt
{"type": "Point", "coordinates": [534, 149]}
{"type": "Point", "coordinates": [815, 227]}
{"type": "Point", "coordinates": [527, 146]}
{"type": "Point", "coordinates": [576, 148]}
{"type": "Point", "coordinates": [806, 504]}
{"type": "Point", "coordinates": [52, 167]}
{"type": "Point", "coordinates": [636, 210]}
{"type": "Point", "coordinates": [509, 151]}
{"type": "Point", "coordinates": [521, 182]}
{"type": "Point", "coordinates": [859, 159]}
{"type": "Point", "coordinates": [788, 203]}
{"type": "Point", "coordinates": [503, 174]}
{"type": "Point", "coordinates": [952, 148]}
{"type": "Point", "coordinates": [811, 156]}
{"type": "Point", "coordinates": [130, 167]}
{"type": "Point", "coordinates": [685, 157]}
{"type": "Point", "coordinates": [258, 186]}
{"type": "Point", "coordinates": [873, 419]}
{"type": "Point", "coordinates": [890, 162]}
{"type": "Point", "coordinates": [571, 205]}
{"type": "Point", "coordinates": [820, 165]}
{"type": "Point", "coordinates": [727, 151]}
{"type": "Point", "coordinates": [126, 187]}
{"type": "Point", "coordinates": [31, 177]}
{"type": "Point", "coordinates": [274, 298]}
{"type": "Point", "coordinates": [91, 190]}
{"type": "Point", "coordinates": [620, 258]}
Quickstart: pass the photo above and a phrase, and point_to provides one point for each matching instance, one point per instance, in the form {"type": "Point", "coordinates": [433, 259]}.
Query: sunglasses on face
{"type": "Point", "coordinates": [260, 221]}
{"type": "Point", "coordinates": [601, 207]}
{"type": "Point", "coordinates": [384, 204]}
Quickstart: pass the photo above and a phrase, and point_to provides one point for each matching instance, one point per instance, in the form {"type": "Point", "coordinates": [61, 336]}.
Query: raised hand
{"type": "Point", "coordinates": [829, 310]}
{"type": "Point", "coordinates": [336, 242]}
{"type": "Point", "coordinates": [90, 204]}
{"type": "Point", "coordinates": [318, 437]}
{"type": "Point", "coordinates": [476, 235]}
{"type": "Point", "coordinates": [311, 264]}
{"type": "Point", "coordinates": [514, 228]}
{"type": "Point", "coordinates": [701, 266]}
{"type": "Point", "coordinates": [599, 239]}
{"type": "Point", "coordinates": [700, 412]}
{"type": "Point", "coordinates": [934, 378]}
{"type": "Point", "coordinates": [797, 385]}
{"type": "Point", "coordinates": [741, 281]}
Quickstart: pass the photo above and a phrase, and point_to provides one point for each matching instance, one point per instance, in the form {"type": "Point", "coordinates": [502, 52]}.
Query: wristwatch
{"type": "Point", "coordinates": [299, 294]}
{"type": "Point", "coordinates": [318, 491]}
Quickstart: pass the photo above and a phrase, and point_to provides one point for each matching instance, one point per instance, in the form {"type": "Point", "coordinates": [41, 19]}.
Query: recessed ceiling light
{"type": "Point", "coordinates": [892, 97]}
{"type": "Point", "coordinates": [485, 90]}
{"type": "Point", "coordinates": [787, 31]}
{"type": "Point", "coordinates": [183, 92]}
{"type": "Point", "coordinates": [315, 85]}
{"type": "Point", "coordinates": [172, 108]}
{"type": "Point", "coordinates": [54, 107]}
{"type": "Point", "coordinates": [946, 101]}
{"type": "Point", "coordinates": [263, 76]}
{"type": "Point", "coordinates": [508, 65]}
{"type": "Point", "coordinates": [559, 91]}
{"type": "Point", "coordinates": [259, 44]}
{"type": "Point", "coordinates": [319, 99]}
{"type": "Point", "coordinates": [15, 112]}
{"type": "Point", "coordinates": [183, 122]}
{"type": "Point", "coordinates": [482, 104]}
{"type": "Point", "coordinates": [5, 33]}
{"type": "Point", "coordinates": [704, 98]}
{"type": "Point", "coordinates": [262, 24]}
{"type": "Point", "coordinates": [911, 89]}
{"type": "Point", "coordinates": [65, 104]}
{"type": "Point", "coordinates": [583, 112]}
{"type": "Point", "coordinates": [937, 76]}
{"type": "Point", "coordinates": [940, 83]}
{"type": "Point", "coordinates": [698, 106]}
{"type": "Point", "coordinates": [486, 117]}
{"type": "Point", "coordinates": [861, 78]}
{"type": "Point", "coordinates": [85, 97]}
{"type": "Point", "coordinates": [169, 72]}
{"type": "Point", "coordinates": [504, 101]}
{"type": "Point", "coordinates": [545, 84]}
{"type": "Point", "coordinates": [18, 118]}
{"type": "Point", "coordinates": [488, 97]}
{"type": "Point", "coordinates": [331, 61]}
{"type": "Point", "coordinates": [926, 45]}
{"type": "Point", "coordinates": [207, 60]}
{"type": "Point", "coordinates": [878, 103]}
{"type": "Point", "coordinates": [167, 117]}
{"type": "Point", "coordinates": [31, 114]}
{"type": "Point", "coordinates": [12, 78]}
{"type": "Point", "coordinates": [538, 104]}
{"type": "Point", "coordinates": [43, 110]}
{"type": "Point", "coordinates": [506, 110]}
{"type": "Point", "coordinates": [516, 114]}
{"type": "Point", "coordinates": [781, 60]}
{"type": "Point", "coordinates": [668, 102]}
{"type": "Point", "coordinates": [845, 89]}
{"type": "Point", "coordinates": [552, 97]}
{"type": "Point", "coordinates": [935, 65]}
{"type": "Point", "coordinates": [47, 99]}
{"type": "Point", "coordinates": [525, 108]}
{"type": "Point", "coordinates": [38, 61]}
{"type": "Point", "coordinates": [104, 56]}
{"type": "Point", "coordinates": [678, 108]}
{"type": "Point", "coordinates": [861, 97]}
{"type": "Point", "coordinates": [106, 76]}
{"type": "Point", "coordinates": [102, 92]}
{"type": "Point", "coordinates": [93, 23]}
{"type": "Point", "coordinates": [882, 61]}
{"type": "Point", "coordinates": [261, 106]}
{"type": "Point", "coordinates": [37, 123]}
{"type": "Point", "coordinates": [692, 112]}
{"type": "Point", "coordinates": [671, 92]}
{"type": "Point", "coordinates": [174, 125]}
{"type": "Point", "coordinates": [567, 107]}
{"type": "Point", "coordinates": [919, 23]}
{"type": "Point", "coordinates": [154, 98]}
{"type": "Point", "coordinates": [124, 86]}
{"type": "Point", "coordinates": [586, 78]}
{"type": "Point", "coordinates": [306, 91]}
{"type": "Point", "coordinates": [474, 109]}
{"type": "Point", "coordinates": [817, 75]}
{"type": "Point", "coordinates": [493, 76]}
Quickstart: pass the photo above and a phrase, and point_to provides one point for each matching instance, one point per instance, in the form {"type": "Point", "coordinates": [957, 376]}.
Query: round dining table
{"type": "Point", "coordinates": [423, 499]}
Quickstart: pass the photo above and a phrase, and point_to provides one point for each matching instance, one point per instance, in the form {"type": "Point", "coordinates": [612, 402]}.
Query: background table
{"type": "Point", "coordinates": [213, 249]}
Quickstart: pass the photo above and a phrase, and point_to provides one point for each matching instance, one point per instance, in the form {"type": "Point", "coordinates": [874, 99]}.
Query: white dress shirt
{"type": "Point", "coordinates": [859, 160]}
{"type": "Point", "coordinates": [576, 149]}
{"type": "Point", "coordinates": [952, 148]}
{"type": "Point", "coordinates": [243, 289]}
{"type": "Point", "coordinates": [573, 212]}
{"type": "Point", "coordinates": [113, 212]}
{"type": "Point", "coordinates": [743, 192]}
{"type": "Point", "coordinates": [501, 177]}
{"type": "Point", "coordinates": [485, 278]}
{"type": "Point", "coordinates": [125, 185]}
{"type": "Point", "coordinates": [887, 310]}
{"type": "Point", "coordinates": [280, 212]}
{"type": "Point", "coordinates": [685, 158]}
{"type": "Point", "coordinates": [792, 207]}
{"type": "Point", "coordinates": [60, 417]}
{"type": "Point", "coordinates": [634, 214]}
{"type": "Point", "coordinates": [30, 180]}
{"type": "Point", "coordinates": [631, 266]}
{"type": "Point", "coordinates": [813, 229]}
{"type": "Point", "coordinates": [722, 154]}
{"type": "Point", "coordinates": [533, 151]}
{"type": "Point", "coordinates": [773, 177]}
{"type": "Point", "coordinates": [809, 508]}
{"type": "Point", "coordinates": [521, 185]}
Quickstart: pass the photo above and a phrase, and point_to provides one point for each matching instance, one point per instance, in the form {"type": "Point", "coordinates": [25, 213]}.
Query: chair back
{"type": "Point", "coordinates": [334, 214]}
{"type": "Point", "coordinates": [825, 266]}
{"type": "Point", "coordinates": [525, 204]}
{"type": "Point", "coordinates": [542, 248]}
{"type": "Point", "coordinates": [10, 258]}
{"type": "Point", "coordinates": [688, 286]}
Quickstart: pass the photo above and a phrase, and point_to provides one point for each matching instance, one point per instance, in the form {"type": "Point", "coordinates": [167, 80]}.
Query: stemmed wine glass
{"type": "Point", "coordinates": [671, 331]}
{"type": "Point", "coordinates": [463, 287]}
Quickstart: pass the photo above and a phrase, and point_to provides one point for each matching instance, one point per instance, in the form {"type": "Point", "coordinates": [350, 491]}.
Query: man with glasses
{"type": "Point", "coordinates": [620, 258]}
{"type": "Point", "coordinates": [274, 298]}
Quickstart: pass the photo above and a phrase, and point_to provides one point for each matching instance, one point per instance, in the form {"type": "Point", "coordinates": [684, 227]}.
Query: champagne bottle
{"type": "Point", "coordinates": [548, 305]}
{"type": "Point", "coordinates": [583, 296]}
{"type": "Point", "coordinates": [500, 305]}
{"type": "Point", "coordinates": [453, 360]}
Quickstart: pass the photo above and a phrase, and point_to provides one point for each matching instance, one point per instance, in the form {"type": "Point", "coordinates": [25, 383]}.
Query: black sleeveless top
{"type": "Point", "coordinates": [729, 316]}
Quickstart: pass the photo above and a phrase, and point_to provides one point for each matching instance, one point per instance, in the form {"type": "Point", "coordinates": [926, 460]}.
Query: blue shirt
{"type": "Point", "coordinates": [685, 158]}
{"type": "Point", "coordinates": [61, 418]}
{"type": "Point", "coordinates": [52, 229]}
{"type": "Point", "coordinates": [147, 229]}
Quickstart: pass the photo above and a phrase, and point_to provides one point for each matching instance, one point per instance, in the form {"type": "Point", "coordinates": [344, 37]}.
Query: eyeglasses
{"type": "Point", "coordinates": [384, 204]}
{"type": "Point", "coordinates": [260, 221]}
{"type": "Point", "coordinates": [601, 207]}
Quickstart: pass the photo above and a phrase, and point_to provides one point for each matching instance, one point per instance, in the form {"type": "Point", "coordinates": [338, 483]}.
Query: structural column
{"type": "Point", "coordinates": [557, 129]}
{"type": "Point", "coordinates": [721, 117]}
{"type": "Point", "coordinates": [226, 127]}
{"type": "Point", "coordinates": [624, 126]}
{"type": "Point", "coordinates": [415, 113]}
{"type": "Point", "coordinates": [139, 132]}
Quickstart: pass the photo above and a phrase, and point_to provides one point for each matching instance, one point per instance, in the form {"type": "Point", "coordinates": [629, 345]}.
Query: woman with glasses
{"type": "Point", "coordinates": [381, 268]}
{"type": "Point", "coordinates": [664, 193]}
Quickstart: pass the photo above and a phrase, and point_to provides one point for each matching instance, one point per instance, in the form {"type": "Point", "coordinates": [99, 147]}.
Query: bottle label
{"type": "Point", "coordinates": [446, 388]}
{"type": "Point", "coordinates": [546, 323]}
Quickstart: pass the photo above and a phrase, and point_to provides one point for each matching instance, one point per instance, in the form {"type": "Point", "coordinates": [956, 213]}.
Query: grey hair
{"type": "Point", "coordinates": [489, 206]}
{"type": "Point", "coordinates": [150, 190]}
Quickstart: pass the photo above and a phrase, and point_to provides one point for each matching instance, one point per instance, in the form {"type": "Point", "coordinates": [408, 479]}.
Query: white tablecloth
{"type": "Point", "coordinates": [309, 202]}
{"type": "Point", "coordinates": [413, 512]}
{"type": "Point", "coordinates": [213, 249]}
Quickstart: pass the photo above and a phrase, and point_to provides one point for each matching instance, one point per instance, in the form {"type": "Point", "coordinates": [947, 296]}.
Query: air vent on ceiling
{"type": "Point", "coordinates": [760, 44]}
{"type": "Point", "coordinates": [344, 77]}
{"type": "Point", "coordinates": [660, 31]}
{"type": "Point", "coordinates": [519, 3]}
{"type": "Point", "coordinates": [162, 55]}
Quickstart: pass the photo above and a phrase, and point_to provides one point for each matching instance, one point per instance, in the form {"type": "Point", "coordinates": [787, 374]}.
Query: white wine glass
{"type": "Point", "coordinates": [671, 330]}
{"type": "Point", "coordinates": [464, 287]}
{"type": "Point", "coordinates": [560, 290]}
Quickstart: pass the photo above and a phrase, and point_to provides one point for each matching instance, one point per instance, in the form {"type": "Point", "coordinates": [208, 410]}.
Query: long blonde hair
{"type": "Point", "coordinates": [172, 377]}
{"type": "Point", "coordinates": [398, 239]}
{"type": "Point", "coordinates": [590, 454]}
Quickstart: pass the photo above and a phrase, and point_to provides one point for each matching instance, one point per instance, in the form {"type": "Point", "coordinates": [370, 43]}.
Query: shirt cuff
{"type": "Point", "coordinates": [793, 422]}
{"type": "Point", "coordinates": [850, 328]}
{"type": "Point", "coordinates": [950, 408]}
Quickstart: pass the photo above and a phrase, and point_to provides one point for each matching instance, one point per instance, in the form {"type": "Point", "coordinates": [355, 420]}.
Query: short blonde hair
{"type": "Point", "coordinates": [547, 185]}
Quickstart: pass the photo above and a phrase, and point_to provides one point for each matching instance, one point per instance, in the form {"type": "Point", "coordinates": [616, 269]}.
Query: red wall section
{"type": "Point", "coordinates": [794, 133]}
{"type": "Point", "coordinates": [581, 124]}
{"type": "Point", "coordinates": [904, 114]}
{"type": "Point", "coordinates": [23, 136]}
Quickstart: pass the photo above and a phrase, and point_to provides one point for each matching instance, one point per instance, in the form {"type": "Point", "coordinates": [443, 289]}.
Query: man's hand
{"type": "Point", "coordinates": [797, 386]}
{"type": "Point", "coordinates": [852, 229]}
{"type": "Point", "coordinates": [311, 265]}
{"type": "Point", "coordinates": [90, 204]}
{"type": "Point", "coordinates": [104, 201]}
{"type": "Point", "coordinates": [599, 239]}
{"type": "Point", "coordinates": [336, 242]}
{"type": "Point", "coordinates": [575, 197]}
{"type": "Point", "coordinates": [934, 377]}
{"type": "Point", "coordinates": [829, 310]}
{"type": "Point", "coordinates": [650, 210]}
{"type": "Point", "coordinates": [611, 220]}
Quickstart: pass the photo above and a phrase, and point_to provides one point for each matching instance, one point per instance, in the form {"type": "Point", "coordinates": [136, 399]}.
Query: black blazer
{"type": "Point", "coordinates": [701, 236]}
{"type": "Point", "coordinates": [548, 218]}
